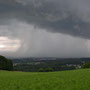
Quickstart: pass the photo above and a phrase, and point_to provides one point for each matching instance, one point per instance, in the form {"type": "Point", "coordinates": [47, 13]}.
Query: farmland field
{"type": "Point", "coordinates": [63, 80]}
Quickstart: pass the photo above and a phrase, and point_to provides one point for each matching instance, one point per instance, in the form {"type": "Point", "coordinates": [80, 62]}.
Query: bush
{"type": "Point", "coordinates": [48, 70]}
{"type": "Point", "coordinates": [41, 70]}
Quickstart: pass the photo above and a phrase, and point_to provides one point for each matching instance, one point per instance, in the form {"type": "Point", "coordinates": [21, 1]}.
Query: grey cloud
{"type": "Point", "coordinates": [39, 25]}
{"type": "Point", "coordinates": [60, 16]}
{"type": "Point", "coordinates": [38, 42]}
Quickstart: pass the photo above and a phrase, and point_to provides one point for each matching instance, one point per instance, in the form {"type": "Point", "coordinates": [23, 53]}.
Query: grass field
{"type": "Point", "coordinates": [64, 80]}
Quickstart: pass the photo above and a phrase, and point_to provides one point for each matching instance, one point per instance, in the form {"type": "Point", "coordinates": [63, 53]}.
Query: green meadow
{"type": "Point", "coordinates": [63, 80]}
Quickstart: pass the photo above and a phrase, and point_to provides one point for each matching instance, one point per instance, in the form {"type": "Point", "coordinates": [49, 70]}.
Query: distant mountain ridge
{"type": "Point", "coordinates": [50, 59]}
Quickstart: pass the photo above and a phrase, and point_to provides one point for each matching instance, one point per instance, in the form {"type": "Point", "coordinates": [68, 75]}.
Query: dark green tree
{"type": "Point", "coordinates": [5, 64]}
{"type": "Point", "coordinates": [86, 65]}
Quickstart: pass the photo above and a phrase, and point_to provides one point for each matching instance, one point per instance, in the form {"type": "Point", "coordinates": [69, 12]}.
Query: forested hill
{"type": "Point", "coordinates": [46, 59]}
{"type": "Point", "coordinates": [56, 64]}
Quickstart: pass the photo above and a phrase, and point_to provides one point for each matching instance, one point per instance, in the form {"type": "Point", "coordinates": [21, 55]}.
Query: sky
{"type": "Point", "coordinates": [45, 28]}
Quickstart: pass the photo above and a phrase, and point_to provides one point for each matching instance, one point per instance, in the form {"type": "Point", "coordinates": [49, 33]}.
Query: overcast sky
{"type": "Point", "coordinates": [45, 28]}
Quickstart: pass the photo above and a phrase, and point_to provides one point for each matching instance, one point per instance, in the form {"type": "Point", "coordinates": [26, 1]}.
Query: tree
{"type": "Point", "coordinates": [5, 64]}
{"type": "Point", "coordinates": [86, 65]}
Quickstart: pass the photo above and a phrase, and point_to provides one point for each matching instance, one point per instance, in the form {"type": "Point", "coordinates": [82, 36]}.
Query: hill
{"type": "Point", "coordinates": [57, 64]}
{"type": "Point", "coordinates": [63, 80]}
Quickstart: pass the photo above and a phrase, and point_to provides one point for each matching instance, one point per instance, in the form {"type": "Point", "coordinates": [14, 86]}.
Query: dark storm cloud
{"type": "Point", "coordinates": [60, 16]}
{"type": "Point", "coordinates": [37, 26]}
